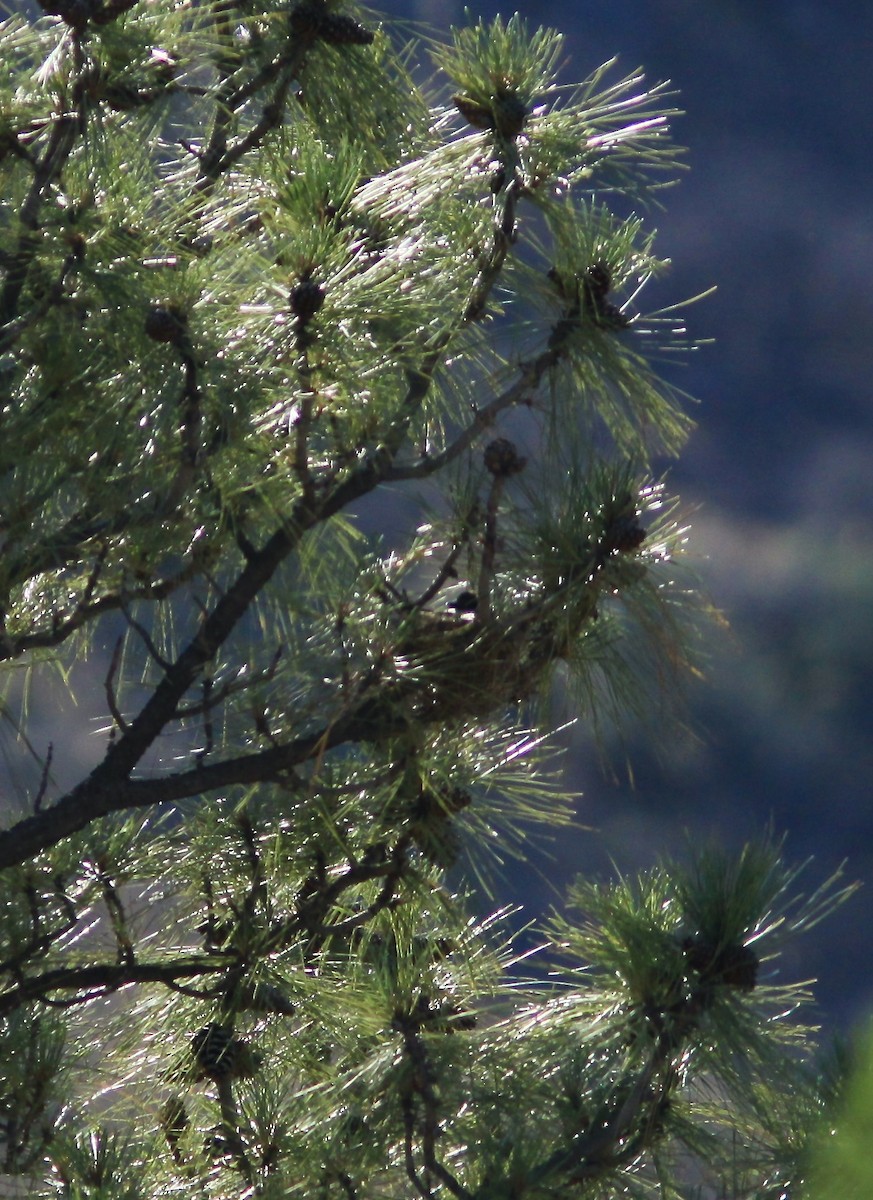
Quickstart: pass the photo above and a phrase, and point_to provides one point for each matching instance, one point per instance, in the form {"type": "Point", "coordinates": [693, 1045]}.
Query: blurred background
{"type": "Point", "coordinates": [775, 210]}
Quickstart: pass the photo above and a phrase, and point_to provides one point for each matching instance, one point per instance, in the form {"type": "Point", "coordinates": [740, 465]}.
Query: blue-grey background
{"type": "Point", "coordinates": [775, 210]}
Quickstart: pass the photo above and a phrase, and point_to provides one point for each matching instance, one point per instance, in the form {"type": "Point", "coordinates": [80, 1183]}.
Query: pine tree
{"type": "Point", "coordinates": [329, 449]}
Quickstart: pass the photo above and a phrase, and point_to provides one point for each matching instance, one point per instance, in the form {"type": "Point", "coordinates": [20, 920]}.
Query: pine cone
{"type": "Point", "coordinates": [166, 323]}
{"type": "Point", "coordinates": [339, 30]}
{"type": "Point", "coordinates": [595, 288]}
{"type": "Point", "coordinates": [510, 115]}
{"type": "Point", "coordinates": [457, 800]}
{"type": "Point", "coordinates": [312, 20]}
{"type": "Point", "coordinates": [475, 114]}
{"type": "Point", "coordinates": [305, 299]}
{"type": "Point", "coordinates": [219, 1055]}
{"type": "Point", "coordinates": [734, 965]}
{"type": "Point", "coordinates": [598, 280]}
{"type": "Point", "coordinates": [502, 459]}
{"type": "Point", "coordinates": [624, 534]}
{"type": "Point", "coordinates": [174, 1122]}
{"type": "Point", "coordinates": [75, 13]}
{"type": "Point", "coordinates": [506, 114]}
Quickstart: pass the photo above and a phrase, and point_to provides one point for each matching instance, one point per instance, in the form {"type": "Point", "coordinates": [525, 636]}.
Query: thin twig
{"type": "Point", "coordinates": [44, 778]}
{"type": "Point", "coordinates": [445, 572]}
{"type": "Point", "coordinates": [303, 421]}
{"type": "Point", "coordinates": [208, 731]}
{"type": "Point", "coordinates": [117, 918]}
{"type": "Point", "coordinates": [109, 686]}
{"type": "Point", "coordinates": [230, 1126]}
{"type": "Point", "coordinates": [520, 392]}
{"type": "Point", "coordinates": [60, 630]}
{"type": "Point", "coordinates": [409, 1148]}
{"type": "Point", "coordinates": [145, 637]}
{"type": "Point", "coordinates": [489, 549]}
{"type": "Point", "coordinates": [213, 698]}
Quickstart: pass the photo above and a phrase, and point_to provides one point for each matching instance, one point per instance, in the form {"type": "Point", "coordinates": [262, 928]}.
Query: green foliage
{"type": "Point", "coordinates": [837, 1158]}
{"type": "Point", "coordinates": [330, 447]}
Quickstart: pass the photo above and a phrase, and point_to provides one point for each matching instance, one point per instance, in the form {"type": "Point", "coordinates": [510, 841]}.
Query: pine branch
{"type": "Point", "coordinates": [62, 139]}
{"type": "Point", "coordinates": [521, 392]}
{"type": "Point", "coordinates": [496, 676]}
{"type": "Point", "coordinates": [103, 979]}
